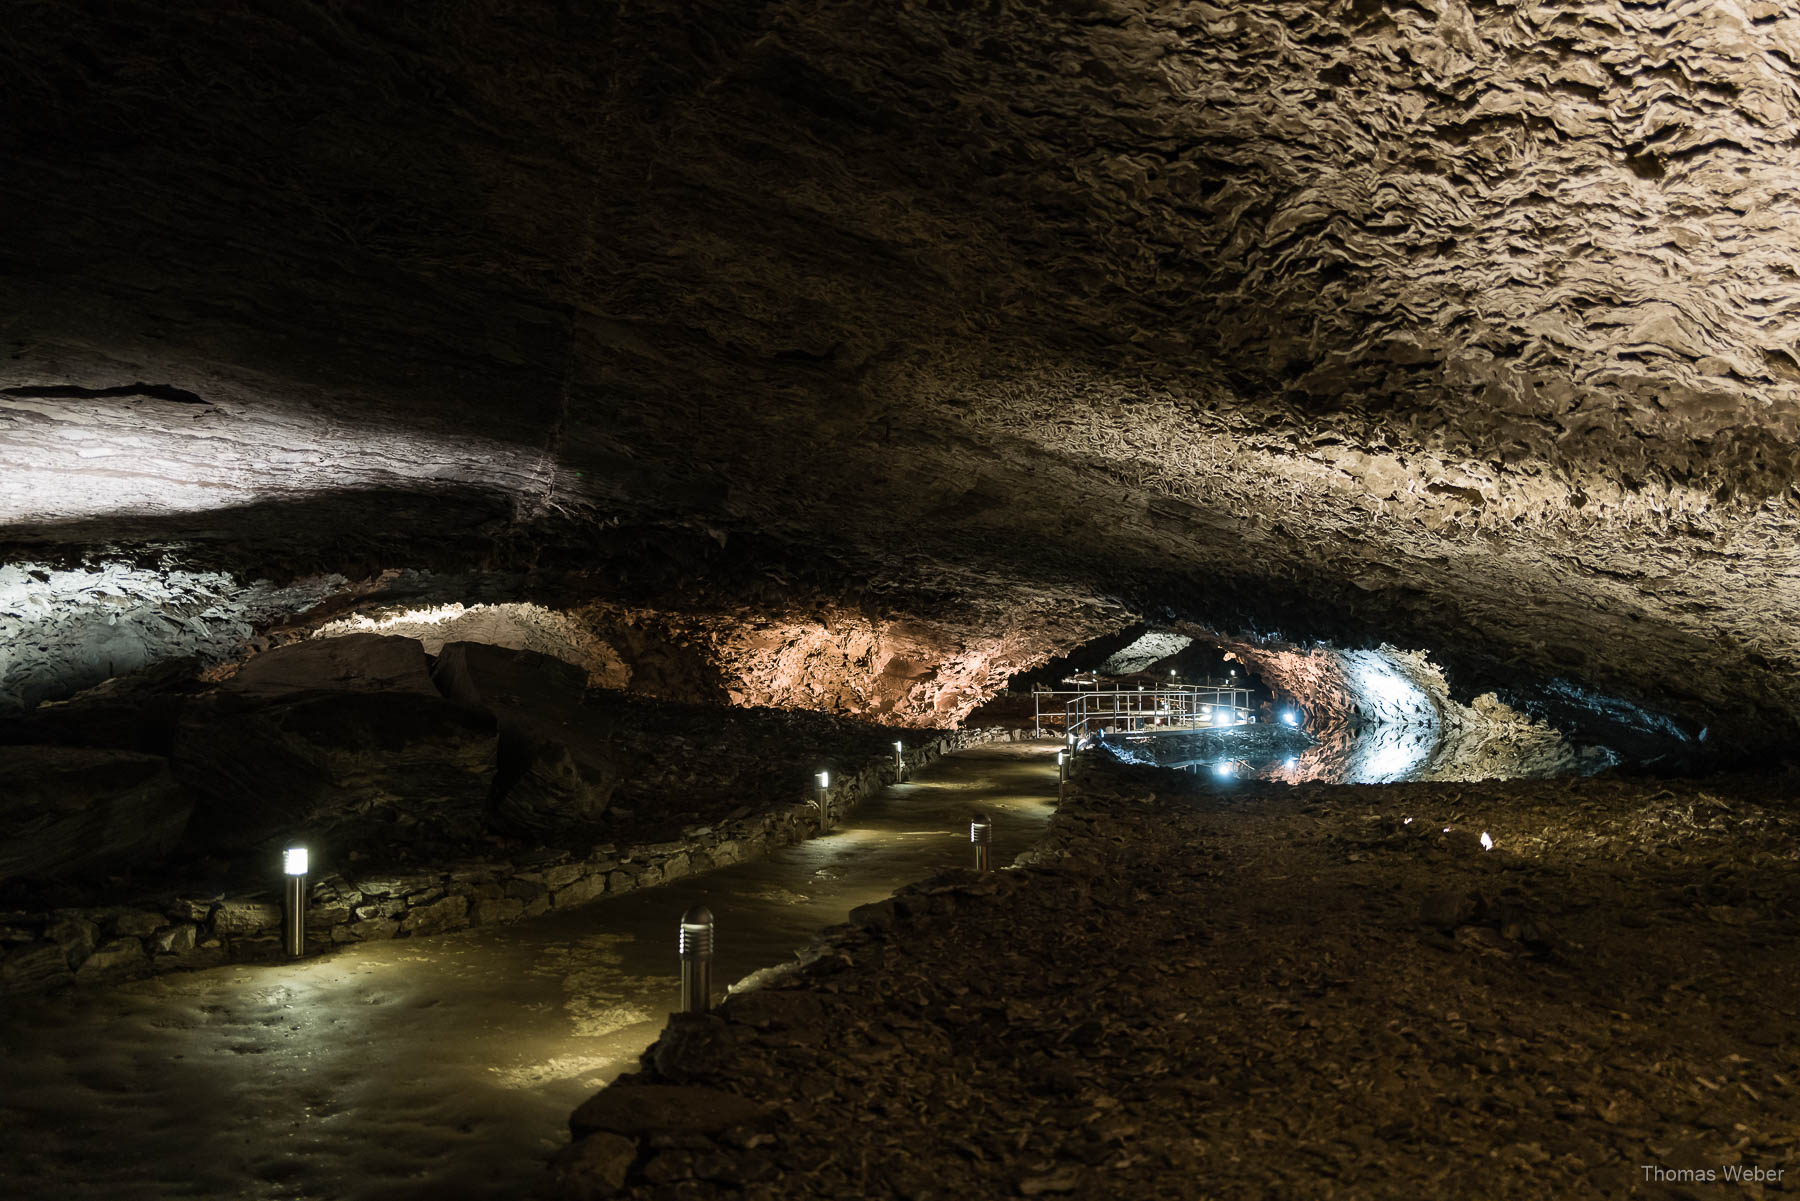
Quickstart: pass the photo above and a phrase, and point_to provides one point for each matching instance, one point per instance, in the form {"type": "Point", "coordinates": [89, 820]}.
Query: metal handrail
{"type": "Point", "coordinates": [1154, 711]}
{"type": "Point", "coordinates": [1211, 694]}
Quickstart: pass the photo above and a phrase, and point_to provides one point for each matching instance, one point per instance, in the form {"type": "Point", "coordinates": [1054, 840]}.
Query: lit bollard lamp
{"type": "Point", "coordinates": [981, 833]}
{"type": "Point", "coordinates": [293, 866]}
{"type": "Point", "coordinates": [823, 794]}
{"type": "Point", "coordinates": [900, 759]}
{"type": "Point", "coordinates": [1062, 772]}
{"type": "Point", "coordinates": [696, 959]}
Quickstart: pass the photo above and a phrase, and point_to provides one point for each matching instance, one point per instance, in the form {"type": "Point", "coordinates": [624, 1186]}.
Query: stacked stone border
{"type": "Point", "coordinates": [108, 944]}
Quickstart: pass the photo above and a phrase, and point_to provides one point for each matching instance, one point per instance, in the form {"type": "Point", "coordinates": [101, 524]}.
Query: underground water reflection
{"type": "Point", "coordinates": [1389, 754]}
{"type": "Point", "coordinates": [444, 1067]}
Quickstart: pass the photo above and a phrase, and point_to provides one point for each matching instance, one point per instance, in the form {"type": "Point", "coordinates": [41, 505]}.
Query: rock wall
{"type": "Point", "coordinates": [906, 673]}
{"type": "Point", "coordinates": [103, 944]}
{"type": "Point", "coordinates": [1386, 714]}
{"type": "Point", "coordinates": [1456, 326]}
{"type": "Point", "coordinates": [66, 629]}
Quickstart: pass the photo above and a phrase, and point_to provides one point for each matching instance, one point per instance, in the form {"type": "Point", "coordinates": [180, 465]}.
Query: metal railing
{"type": "Point", "coordinates": [1049, 707]}
{"type": "Point", "coordinates": [1157, 711]}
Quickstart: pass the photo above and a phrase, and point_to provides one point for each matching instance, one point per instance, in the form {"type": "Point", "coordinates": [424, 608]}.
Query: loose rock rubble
{"type": "Point", "coordinates": [1263, 991]}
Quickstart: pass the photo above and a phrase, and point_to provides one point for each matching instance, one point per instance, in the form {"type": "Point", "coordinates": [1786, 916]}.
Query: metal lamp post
{"type": "Point", "coordinates": [293, 866]}
{"type": "Point", "coordinates": [981, 833]}
{"type": "Point", "coordinates": [696, 947]}
{"type": "Point", "coordinates": [824, 792]}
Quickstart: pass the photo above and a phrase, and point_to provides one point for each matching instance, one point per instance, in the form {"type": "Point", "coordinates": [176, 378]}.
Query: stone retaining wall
{"type": "Point", "coordinates": [107, 944]}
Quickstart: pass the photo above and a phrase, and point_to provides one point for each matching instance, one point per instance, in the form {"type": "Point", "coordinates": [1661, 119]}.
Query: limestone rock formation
{"type": "Point", "coordinates": [73, 812]}
{"type": "Point", "coordinates": [559, 763]}
{"type": "Point", "coordinates": [1463, 327]}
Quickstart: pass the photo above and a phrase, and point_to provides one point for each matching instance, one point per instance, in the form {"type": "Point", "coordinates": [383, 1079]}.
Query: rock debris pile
{"type": "Point", "coordinates": [1316, 991]}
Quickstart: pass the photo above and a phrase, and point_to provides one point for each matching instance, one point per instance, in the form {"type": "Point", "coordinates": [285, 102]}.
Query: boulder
{"type": "Point", "coordinates": [558, 765]}
{"type": "Point", "coordinates": [35, 967]}
{"type": "Point", "coordinates": [68, 812]}
{"type": "Point", "coordinates": [327, 733]}
{"type": "Point", "coordinates": [349, 663]}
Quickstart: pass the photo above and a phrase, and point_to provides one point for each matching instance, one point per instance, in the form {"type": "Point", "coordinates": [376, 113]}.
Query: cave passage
{"type": "Point", "coordinates": [443, 1067]}
{"type": "Point", "coordinates": [515, 450]}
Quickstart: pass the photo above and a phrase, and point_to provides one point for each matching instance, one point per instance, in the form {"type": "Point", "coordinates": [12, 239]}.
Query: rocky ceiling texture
{"type": "Point", "coordinates": [1470, 327]}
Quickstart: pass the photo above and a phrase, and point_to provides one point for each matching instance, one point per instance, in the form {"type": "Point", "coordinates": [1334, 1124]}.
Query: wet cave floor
{"type": "Point", "coordinates": [443, 1067]}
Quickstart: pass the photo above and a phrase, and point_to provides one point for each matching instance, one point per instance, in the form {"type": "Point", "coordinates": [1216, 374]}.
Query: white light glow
{"type": "Point", "coordinates": [293, 862]}
{"type": "Point", "coordinates": [1290, 717]}
{"type": "Point", "coordinates": [824, 779]}
{"type": "Point", "coordinates": [1389, 760]}
{"type": "Point", "coordinates": [152, 456]}
{"type": "Point", "coordinates": [1224, 770]}
{"type": "Point", "coordinates": [1487, 843]}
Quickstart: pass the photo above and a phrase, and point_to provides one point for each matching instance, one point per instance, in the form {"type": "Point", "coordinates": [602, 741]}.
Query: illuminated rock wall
{"type": "Point", "coordinates": [1460, 327]}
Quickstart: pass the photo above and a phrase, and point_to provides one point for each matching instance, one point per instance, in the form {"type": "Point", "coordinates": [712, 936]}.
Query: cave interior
{"type": "Point", "coordinates": [492, 429]}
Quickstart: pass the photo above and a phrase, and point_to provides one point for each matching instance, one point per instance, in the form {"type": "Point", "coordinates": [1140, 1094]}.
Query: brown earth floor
{"type": "Point", "coordinates": [1231, 992]}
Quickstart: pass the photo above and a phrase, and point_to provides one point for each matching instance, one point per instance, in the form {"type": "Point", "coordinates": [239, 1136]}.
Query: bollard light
{"type": "Point", "coordinates": [981, 833]}
{"type": "Point", "coordinates": [696, 947]}
{"type": "Point", "coordinates": [293, 867]}
{"type": "Point", "coordinates": [824, 798]}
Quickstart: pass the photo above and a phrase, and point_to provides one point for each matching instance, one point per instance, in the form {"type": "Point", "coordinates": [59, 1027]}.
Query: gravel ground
{"type": "Point", "coordinates": [1268, 991]}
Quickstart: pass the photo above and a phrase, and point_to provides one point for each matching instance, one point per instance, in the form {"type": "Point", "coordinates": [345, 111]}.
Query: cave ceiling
{"type": "Point", "coordinates": [1470, 327]}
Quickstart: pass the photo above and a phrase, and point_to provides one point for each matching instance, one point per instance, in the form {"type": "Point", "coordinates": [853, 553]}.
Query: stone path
{"type": "Point", "coordinates": [443, 1067]}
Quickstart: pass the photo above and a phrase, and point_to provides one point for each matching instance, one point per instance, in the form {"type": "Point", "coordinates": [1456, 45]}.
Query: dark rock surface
{"type": "Point", "coordinates": [337, 740]}
{"type": "Point", "coordinates": [1269, 991]}
{"type": "Point", "coordinates": [1459, 326]}
{"type": "Point", "coordinates": [77, 812]}
{"type": "Point", "coordinates": [187, 915]}
{"type": "Point", "coordinates": [559, 764]}
{"type": "Point", "coordinates": [352, 663]}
